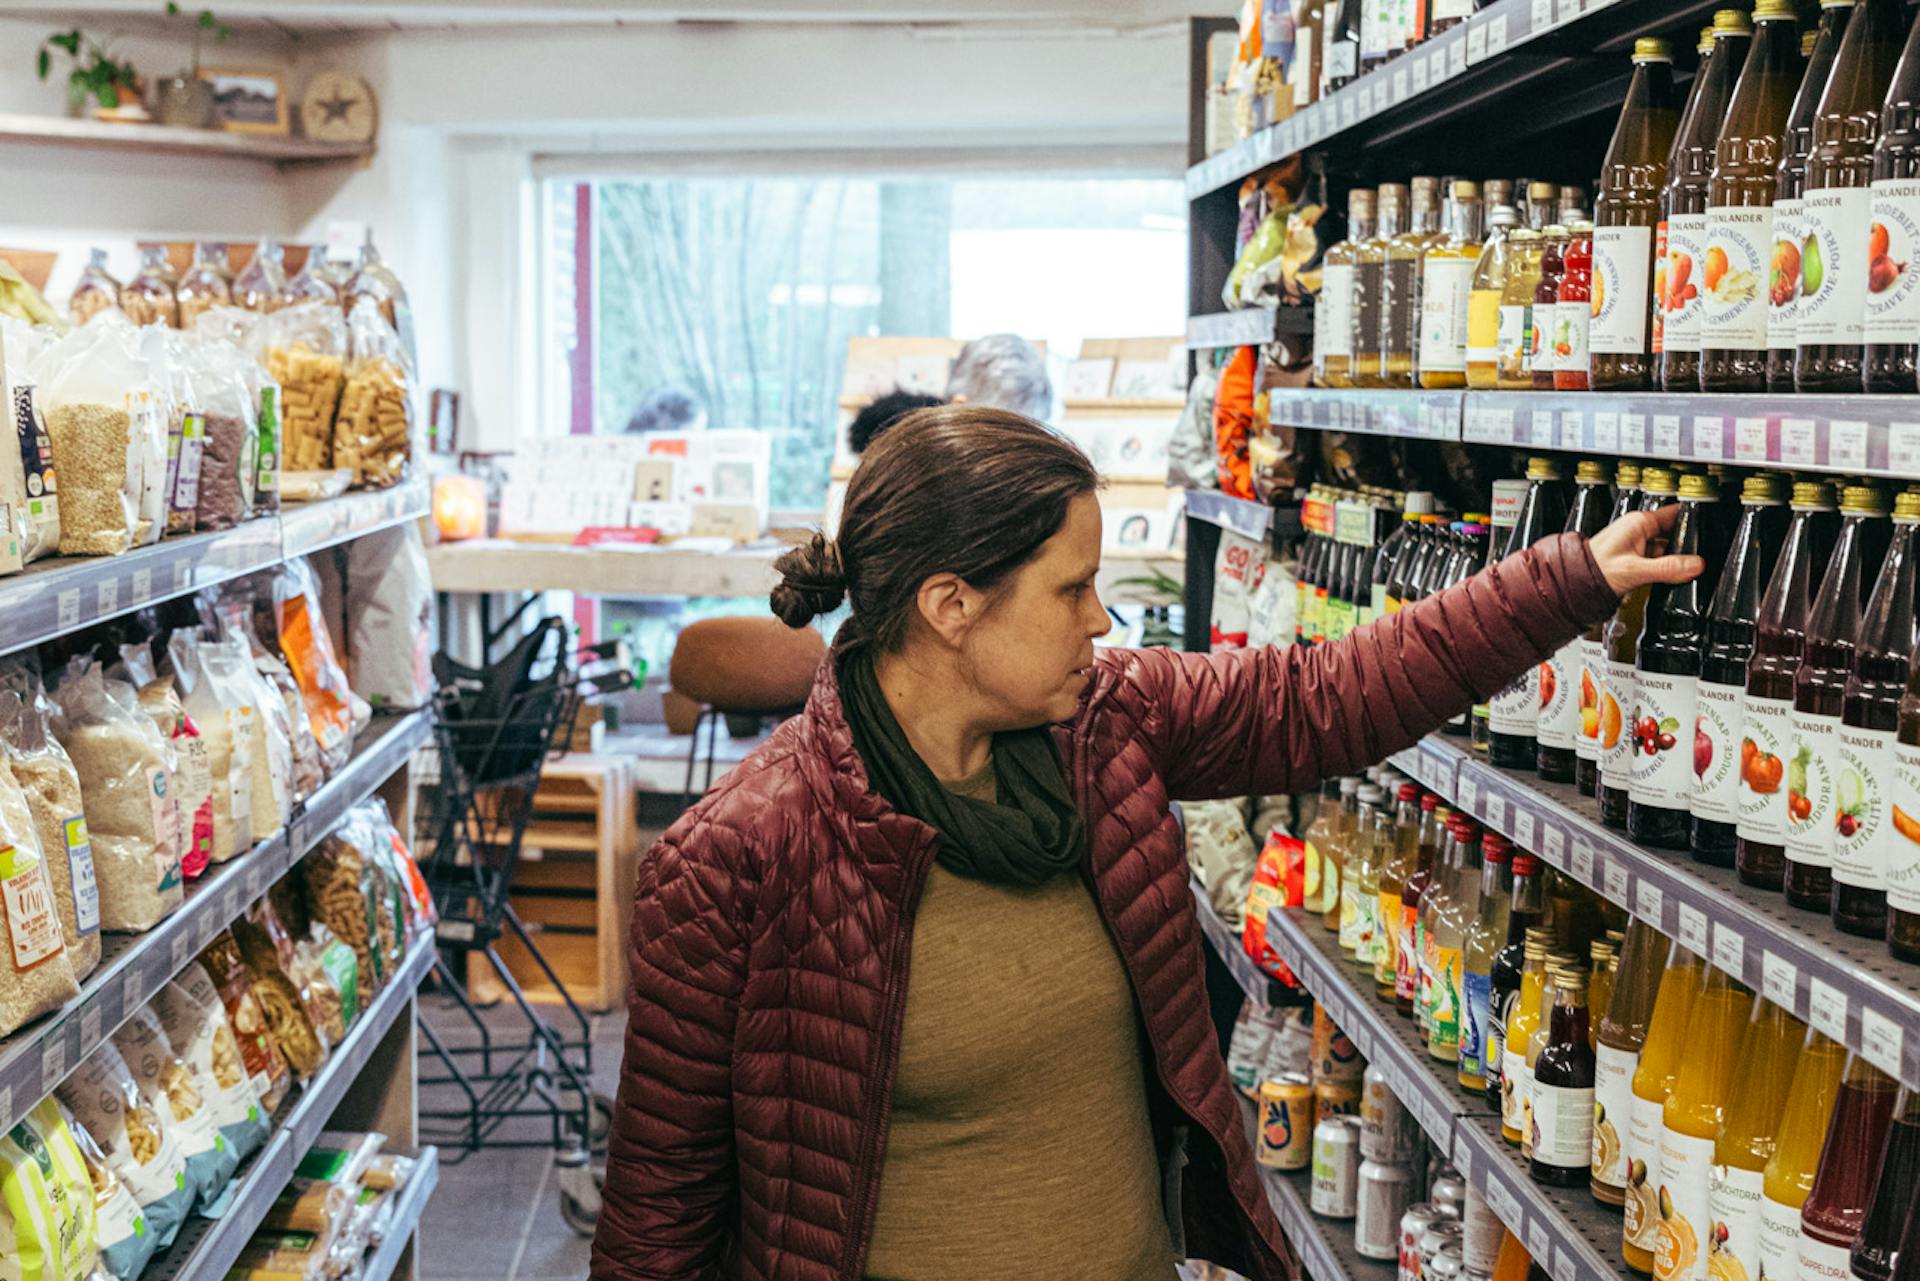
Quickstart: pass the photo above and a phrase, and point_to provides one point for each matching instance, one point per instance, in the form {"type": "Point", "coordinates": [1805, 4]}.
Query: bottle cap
{"type": "Point", "coordinates": [1425, 183]}
{"type": "Point", "coordinates": [1503, 215]}
{"type": "Point", "coordinates": [1429, 803]}
{"type": "Point", "coordinates": [1647, 49]}
{"type": "Point", "coordinates": [1370, 794]}
{"type": "Point", "coordinates": [1836, 4]}
{"type": "Point", "coordinates": [1773, 10]}
{"type": "Point", "coordinates": [1656, 480]}
{"type": "Point", "coordinates": [1763, 489]}
{"type": "Point", "coordinates": [1475, 518]}
{"type": "Point", "coordinates": [1556, 231]}
{"type": "Point", "coordinates": [1580, 227]}
{"type": "Point", "coordinates": [1808, 37]}
{"type": "Point", "coordinates": [1627, 475]}
{"type": "Point", "coordinates": [1906, 506]}
{"type": "Point", "coordinates": [1590, 471]}
{"type": "Point", "coordinates": [1862, 500]}
{"type": "Point", "coordinates": [1466, 189]}
{"type": "Point", "coordinates": [1359, 203]}
{"type": "Point", "coordinates": [1541, 934]}
{"type": "Point", "coordinates": [1395, 191]}
{"type": "Point", "coordinates": [1542, 191]}
{"type": "Point", "coordinates": [1539, 468]}
{"type": "Point", "coordinates": [1349, 785]}
{"type": "Point", "coordinates": [1409, 791]}
{"type": "Point", "coordinates": [1419, 500]}
{"type": "Point", "coordinates": [1706, 42]}
{"type": "Point", "coordinates": [1496, 848]}
{"type": "Point", "coordinates": [1698, 489]}
{"type": "Point", "coordinates": [1524, 234]}
{"type": "Point", "coordinates": [1810, 495]}
{"type": "Point", "coordinates": [1525, 864]}
{"type": "Point", "coordinates": [1730, 22]}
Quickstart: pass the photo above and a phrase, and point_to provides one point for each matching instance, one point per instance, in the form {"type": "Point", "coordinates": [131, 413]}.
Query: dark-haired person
{"type": "Point", "coordinates": [884, 411]}
{"type": "Point", "coordinates": [917, 992]}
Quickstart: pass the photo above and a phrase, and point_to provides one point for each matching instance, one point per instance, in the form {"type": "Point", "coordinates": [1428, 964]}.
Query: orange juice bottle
{"type": "Point", "coordinates": [1653, 1078]}
{"type": "Point", "coordinates": [1513, 1261]}
{"type": "Point", "coordinates": [1796, 1153]}
{"type": "Point", "coordinates": [1516, 1086]}
{"type": "Point", "coordinates": [1690, 1125]}
{"type": "Point", "coordinates": [1764, 1071]}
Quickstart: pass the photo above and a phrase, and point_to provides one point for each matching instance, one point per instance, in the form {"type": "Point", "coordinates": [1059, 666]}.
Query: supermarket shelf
{"type": "Point", "coordinates": [134, 967]}
{"type": "Point", "coordinates": [1241, 515]}
{"type": "Point", "coordinates": [1325, 1246]}
{"type": "Point", "coordinates": [1258, 986]}
{"type": "Point", "coordinates": [208, 1247]}
{"type": "Point", "coordinates": [1849, 988]}
{"type": "Point", "coordinates": [406, 1216]}
{"type": "Point", "coordinates": [310, 527]}
{"type": "Point", "coordinates": [1569, 1233]}
{"type": "Point", "coordinates": [65, 131]}
{"type": "Point", "coordinates": [1417, 415]}
{"type": "Point", "coordinates": [1247, 326]}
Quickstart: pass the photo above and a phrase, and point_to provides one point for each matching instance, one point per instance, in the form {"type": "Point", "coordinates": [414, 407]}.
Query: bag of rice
{"type": "Point", "coordinates": [227, 970]}
{"type": "Point", "coordinates": [292, 1019]}
{"type": "Point", "coordinates": [136, 1137]}
{"type": "Point", "coordinates": [389, 619]}
{"type": "Point", "coordinates": [190, 1009]}
{"type": "Point", "coordinates": [226, 730]}
{"type": "Point", "coordinates": [192, 793]}
{"type": "Point", "coordinates": [107, 423]}
{"type": "Point", "coordinates": [52, 789]}
{"type": "Point", "coordinates": [67, 1179]}
{"type": "Point", "coordinates": [168, 1086]}
{"type": "Point", "coordinates": [35, 974]}
{"type": "Point", "coordinates": [119, 1228]}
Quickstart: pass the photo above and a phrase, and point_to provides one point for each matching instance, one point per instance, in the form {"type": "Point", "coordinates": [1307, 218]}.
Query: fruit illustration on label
{"type": "Point", "coordinates": [1610, 721]}
{"type": "Point", "coordinates": [1678, 1246]}
{"type": "Point", "coordinates": [1723, 1264]}
{"type": "Point", "coordinates": [1761, 770]}
{"type": "Point", "coordinates": [1599, 292]}
{"type": "Point", "coordinates": [1716, 267]}
{"type": "Point", "coordinates": [1702, 746]}
{"type": "Point", "coordinates": [1813, 272]}
{"type": "Point", "coordinates": [1548, 683]}
{"type": "Point", "coordinates": [1905, 824]}
{"type": "Point", "coordinates": [1783, 272]}
{"type": "Point", "coordinates": [1680, 291]}
{"type": "Point", "coordinates": [1589, 707]}
{"type": "Point", "coordinates": [1878, 241]}
{"type": "Point", "coordinates": [1606, 1139]}
{"type": "Point", "coordinates": [1653, 737]}
{"type": "Point", "coordinates": [1563, 337]}
{"type": "Point", "coordinates": [1850, 813]}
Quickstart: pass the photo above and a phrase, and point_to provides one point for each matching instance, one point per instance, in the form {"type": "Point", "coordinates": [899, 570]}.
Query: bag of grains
{"type": "Point", "coordinates": [107, 426]}
{"type": "Point", "coordinates": [227, 970]}
{"type": "Point", "coordinates": [186, 440]}
{"type": "Point", "coordinates": [196, 1022]}
{"type": "Point", "coordinates": [304, 350]}
{"type": "Point", "coordinates": [192, 792]}
{"type": "Point", "coordinates": [162, 349]}
{"type": "Point", "coordinates": [52, 790]}
{"type": "Point", "coordinates": [119, 1229]}
{"type": "Point", "coordinates": [227, 731]}
{"type": "Point", "coordinates": [272, 761]}
{"type": "Point", "coordinates": [389, 619]}
{"type": "Point", "coordinates": [292, 1014]}
{"type": "Point", "coordinates": [121, 762]}
{"type": "Point", "coordinates": [65, 1170]}
{"type": "Point", "coordinates": [35, 974]}
{"type": "Point", "coordinates": [136, 1137]}
{"type": "Point", "coordinates": [26, 470]}
{"type": "Point", "coordinates": [168, 1085]}
{"type": "Point", "coordinates": [230, 466]}
{"type": "Point", "coordinates": [373, 432]}
{"type": "Point", "coordinates": [309, 653]}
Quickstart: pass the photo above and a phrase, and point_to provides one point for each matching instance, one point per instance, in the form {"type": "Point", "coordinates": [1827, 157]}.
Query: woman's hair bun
{"type": "Point", "coordinates": [812, 582]}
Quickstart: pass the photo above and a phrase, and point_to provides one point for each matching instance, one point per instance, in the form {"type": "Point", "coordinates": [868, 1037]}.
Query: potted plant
{"type": "Point", "coordinates": [184, 98]}
{"type": "Point", "coordinates": [96, 78]}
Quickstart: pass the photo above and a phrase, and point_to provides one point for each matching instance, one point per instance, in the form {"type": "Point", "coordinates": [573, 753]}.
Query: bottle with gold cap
{"type": "Point", "coordinates": [1737, 273]}
{"type": "Point", "coordinates": [1903, 852]}
{"type": "Point", "coordinates": [1563, 701]}
{"type": "Point", "coordinates": [1333, 316]}
{"type": "Point", "coordinates": [1515, 710]}
{"type": "Point", "coordinates": [1621, 639]}
{"type": "Point", "coordinates": [1446, 289]}
{"type": "Point", "coordinates": [1689, 180]}
{"type": "Point", "coordinates": [1524, 246]}
{"type": "Point", "coordinates": [1830, 325]}
{"type": "Point", "coordinates": [1817, 792]}
{"type": "Point", "coordinates": [1789, 190]}
{"type": "Point", "coordinates": [1400, 309]}
{"type": "Point", "coordinates": [1628, 207]}
{"type": "Point", "coordinates": [1370, 285]}
{"type": "Point", "coordinates": [1893, 237]}
{"type": "Point", "coordinates": [1572, 207]}
{"type": "Point", "coordinates": [1601, 720]}
{"type": "Point", "coordinates": [1543, 203]}
{"type": "Point", "coordinates": [1863, 834]}
{"type": "Point", "coordinates": [1483, 299]}
{"type": "Point", "coordinates": [1660, 263]}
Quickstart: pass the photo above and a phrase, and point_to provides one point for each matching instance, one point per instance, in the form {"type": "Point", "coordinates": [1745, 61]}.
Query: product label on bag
{"type": "Point", "coordinates": [1559, 697]}
{"type": "Point", "coordinates": [1680, 303]}
{"type": "Point", "coordinates": [86, 891]}
{"type": "Point", "coordinates": [1733, 1208]}
{"type": "Point", "coordinates": [1572, 334]}
{"type": "Point", "coordinates": [1642, 1225]}
{"type": "Point", "coordinates": [1863, 777]}
{"type": "Point", "coordinates": [1716, 746]}
{"type": "Point", "coordinates": [1445, 286]}
{"type": "Point", "coordinates": [1333, 330]}
{"type": "Point", "coordinates": [1662, 748]}
{"type": "Point", "coordinates": [1734, 278]}
{"type": "Point", "coordinates": [26, 901]}
{"type": "Point", "coordinates": [1622, 268]}
{"type": "Point", "coordinates": [1617, 719]}
{"type": "Point", "coordinates": [1562, 1126]}
{"type": "Point", "coordinates": [1613, 1104]}
{"type": "Point", "coordinates": [1686, 1178]}
{"type": "Point", "coordinates": [1591, 693]}
{"type": "Point", "coordinates": [1810, 789]}
{"type": "Point", "coordinates": [1903, 842]}
{"type": "Point", "coordinates": [1516, 709]}
{"type": "Point", "coordinates": [1766, 741]}
{"type": "Point", "coordinates": [1893, 234]}
{"type": "Point", "coordinates": [1833, 267]}
{"type": "Point", "coordinates": [1779, 1238]}
{"type": "Point", "coordinates": [1783, 274]}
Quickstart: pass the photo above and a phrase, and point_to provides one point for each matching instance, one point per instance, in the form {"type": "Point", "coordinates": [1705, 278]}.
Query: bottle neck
{"type": "Point", "coordinates": [1493, 883]}
{"type": "Point", "coordinates": [1360, 227]}
{"type": "Point", "coordinates": [1391, 221]}
{"type": "Point", "coordinates": [1569, 1015]}
{"type": "Point", "coordinates": [1469, 217]}
{"type": "Point", "coordinates": [1529, 905]}
{"type": "Point", "coordinates": [1426, 215]}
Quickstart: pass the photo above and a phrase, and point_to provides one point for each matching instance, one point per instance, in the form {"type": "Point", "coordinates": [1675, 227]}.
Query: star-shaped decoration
{"type": "Point", "coordinates": [336, 109]}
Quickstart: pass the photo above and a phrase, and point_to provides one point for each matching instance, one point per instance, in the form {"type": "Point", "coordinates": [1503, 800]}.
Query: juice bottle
{"type": "Point", "coordinates": [1862, 823]}
{"type": "Point", "coordinates": [1483, 302]}
{"type": "Point", "coordinates": [1447, 931]}
{"type": "Point", "coordinates": [1573, 310]}
{"type": "Point", "coordinates": [1819, 696]}
{"type": "Point", "coordinates": [1516, 310]}
{"type": "Point", "coordinates": [1485, 936]}
{"type": "Point", "coordinates": [1906, 1262]}
{"type": "Point", "coordinates": [1830, 324]}
{"type": "Point", "coordinates": [1894, 1193]}
{"type": "Point", "coordinates": [1600, 986]}
{"type": "Point", "coordinates": [1653, 1076]}
{"type": "Point", "coordinates": [1631, 180]}
{"type": "Point", "coordinates": [1522, 1018]}
{"type": "Point", "coordinates": [1546, 306]}
{"type": "Point", "coordinates": [1562, 972]}
{"type": "Point", "coordinates": [1893, 236]}
{"type": "Point", "coordinates": [1719, 751]}
{"type": "Point", "coordinates": [1903, 843]}
{"type": "Point", "coordinates": [1406, 255]}
{"type": "Point", "coordinates": [1766, 717]}
{"type": "Point", "coordinates": [1689, 182]}
{"type": "Point", "coordinates": [1333, 325]}
{"type": "Point", "coordinates": [1526, 910]}
{"type": "Point", "coordinates": [1457, 827]}
{"type": "Point", "coordinates": [1789, 190]}
{"type": "Point", "coordinates": [1564, 701]}
{"type": "Point", "coordinates": [1417, 503]}
{"type": "Point", "coordinates": [1513, 1262]}
{"type": "Point", "coordinates": [1515, 711]}
{"type": "Point", "coordinates": [1446, 288]}
{"type": "Point", "coordinates": [1400, 862]}
{"type": "Point", "coordinates": [1737, 270]}
{"type": "Point", "coordinates": [1666, 672]}
{"type": "Point", "coordinates": [1764, 1071]}
{"type": "Point", "coordinates": [1345, 824]}
{"type": "Point", "coordinates": [1508, 495]}
{"type": "Point", "coordinates": [1563, 1090]}
{"type": "Point", "coordinates": [1690, 1124]}
{"type": "Point", "coordinates": [1601, 720]}
{"type": "Point", "coordinates": [1318, 840]}
{"type": "Point", "coordinates": [1370, 285]}
{"type": "Point", "coordinates": [1358, 924]}
{"type": "Point", "coordinates": [1796, 1151]}
{"type": "Point", "coordinates": [1572, 207]}
{"type": "Point", "coordinates": [1622, 1035]}
{"type": "Point", "coordinates": [1621, 640]}
{"type": "Point", "coordinates": [1406, 972]}
{"type": "Point", "coordinates": [1836, 1205]}
{"type": "Point", "coordinates": [1660, 263]}
{"type": "Point", "coordinates": [1353, 861]}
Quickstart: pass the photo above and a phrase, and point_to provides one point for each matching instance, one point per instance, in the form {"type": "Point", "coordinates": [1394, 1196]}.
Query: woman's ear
{"type": "Point", "coordinates": [948, 606]}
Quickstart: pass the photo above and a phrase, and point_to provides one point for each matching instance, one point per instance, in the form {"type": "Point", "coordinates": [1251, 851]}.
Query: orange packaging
{"type": "Point", "coordinates": [1279, 880]}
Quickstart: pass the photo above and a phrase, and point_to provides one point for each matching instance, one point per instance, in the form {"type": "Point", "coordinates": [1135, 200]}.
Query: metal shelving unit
{"type": "Point", "coordinates": [386, 1258]}
{"type": "Point", "coordinates": [1247, 326]}
{"type": "Point", "coordinates": [1258, 986]}
{"type": "Point", "coordinates": [1415, 415]}
{"type": "Point", "coordinates": [1243, 516]}
{"type": "Point", "coordinates": [1325, 1246]}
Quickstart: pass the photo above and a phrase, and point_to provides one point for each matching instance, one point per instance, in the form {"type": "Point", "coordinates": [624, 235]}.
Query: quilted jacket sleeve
{"type": "Point", "coordinates": [669, 1201]}
{"type": "Point", "coordinates": [1281, 718]}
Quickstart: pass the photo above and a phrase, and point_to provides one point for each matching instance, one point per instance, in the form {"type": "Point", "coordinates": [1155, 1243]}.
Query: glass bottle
{"type": "Point", "coordinates": [1836, 1205]}
{"type": "Point", "coordinates": [1819, 695]}
{"type": "Point", "coordinates": [1572, 207]}
{"type": "Point", "coordinates": [1370, 286]}
{"type": "Point", "coordinates": [1903, 844]}
{"type": "Point", "coordinates": [1563, 1091]}
{"type": "Point", "coordinates": [1434, 819]}
{"type": "Point", "coordinates": [1508, 495]}
{"type": "Point", "coordinates": [1870, 716]}
{"type": "Point", "coordinates": [1653, 1076]}
{"type": "Point", "coordinates": [1768, 1051]}
{"type": "Point", "coordinates": [1526, 910]}
{"type": "Point", "coordinates": [1417, 503]}
{"type": "Point", "coordinates": [1631, 181]}
{"type": "Point", "coordinates": [1446, 288]}
{"type": "Point", "coordinates": [208, 284]}
{"type": "Point", "coordinates": [1719, 747]}
{"type": "Point", "coordinates": [1453, 916]}
{"type": "Point", "coordinates": [1333, 320]}
{"type": "Point", "coordinates": [95, 291]}
{"type": "Point", "coordinates": [1623, 1031]}
{"type": "Point", "coordinates": [1319, 840]}
{"type": "Point", "coordinates": [1895, 1192]}
{"type": "Point", "coordinates": [1605, 962]}
{"type": "Point", "coordinates": [1515, 710]}
{"type": "Point", "coordinates": [1524, 249]}
{"type": "Point", "coordinates": [1739, 271]}
{"type": "Point", "coordinates": [1345, 825]}
{"type": "Point", "coordinates": [1564, 702]}
{"type": "Point", "coordinates": [1483, 302]}
{"type": "Point", "coordinates": [1621, 640]}
{"type": "Point", "coordinates": [1561, 972]}
{"type": "Point", "coordinates": [1796, 1153]}
{"type": "Point", "coordinates": [262, 284]}
{"type": "Point", "coordinates": [1766, 717]}
{"type": "Point", "coordinates": [1406, 255]}
{"type": "Point", "coordinates": [1542, 205]}
{"type": "Point", "coordinates": [1661, 264]}
{"type": "Point", "coordinates": [1689, 179]}
{"type": "Point", "coordinates": [1401, 858]}
{"type": "Point", "coordinates": [1830, 324]}
{"type": "Point", "coordinates": [1545, 360]}
{"type": "Point", "coordinates": [1601, 721]}
{"type": "Point", "coordinates": [1893, 235]}
{"type": "Point", "coordinates": [1523, 1016]}
{"type": "Point", "coordinates": [1573, 310]}
{"type": "Point", "coordinates": [1485, 937]}
{"type": "Point", "coordinates": [148, 298]}
{"type": "Point", "coordinates": [1359, 900]}
{"type": "Point", "coordinates": [1789, 190]}
{"type": "Point", "coordinates": [1690, 1124]}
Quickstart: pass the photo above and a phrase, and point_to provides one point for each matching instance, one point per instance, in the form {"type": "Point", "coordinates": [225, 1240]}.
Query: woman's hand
{"type": "Point", "coordinates": [1620, 550]}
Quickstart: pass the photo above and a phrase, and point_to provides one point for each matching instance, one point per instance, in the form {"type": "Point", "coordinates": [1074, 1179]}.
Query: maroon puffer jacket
{"type": "Point", "coordinates": [772, 928]}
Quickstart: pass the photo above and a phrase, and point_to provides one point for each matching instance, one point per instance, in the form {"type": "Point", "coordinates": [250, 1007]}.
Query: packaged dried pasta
{"type": "Point", "coordinates": [341, 895]}
{"type": "Point", "coordinates": [169, 1087]}
{"type": "Point", "coordinates": [52, 790]}
{"type": "Point", "coordinates": [373, 432]}
{"type": "Point", "coordinates": [68, 1184]}
{"type": "Point", "coordinates": [310, 655]}
{"type": "Point", "coordinates": [190, 1009]}
{"type": "Point", "coordinates": [284, 1256]}
{"type": "Point", "coordinates": [291, 1018]}
{"type": "Point", "coordinates": [304, 350]}
{"type": "Point", "coordinates": [231, 979]}
{"type": "Point", "coordinates": [119, 1228]}
{"type": "Point", "coordinates": [29, 1241]}
{"type": "Point", "coordinates": [135, 1136]}
{"type": "Point", "coordinates": [35, 974]}
{"type": "Point", "coordinates": [327, 968]}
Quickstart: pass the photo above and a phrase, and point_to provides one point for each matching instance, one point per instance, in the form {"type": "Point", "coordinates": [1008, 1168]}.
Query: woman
{"type": "Point", "coordinates": [917, 991]}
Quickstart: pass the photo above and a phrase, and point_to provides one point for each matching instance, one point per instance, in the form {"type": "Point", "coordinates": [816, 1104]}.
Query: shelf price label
{"type": "Point", "coordinates": [1903, 448]}
{"type": "Point", "coordinates": [1541, 19]}
{"type": "Point", "coordinates": [1729, 949]}
{"type": "Point", "coordinates": [1469, 792]}
{"type": "Point", "coordinates": [90, 1025]}
{"type": "Point", "coordinates": [142, 586]}
{"type": "Point", "coordinates": [1497, 35]}
{"type": "Point", "coordinates": [108, 596]}
{"type": "Point", "coordinates": [1540, 1238]}
{"type": "Point", "coordinates": [1827, 1009]}
{"type": "Point", "coordinates": [1649, 902]}
{"type": "Point", "coordinates": [1666, 435]}
{"type": "Point", "coordinates": [67, 609]}
{"type": "Point", "coordinates": [1606, 431]}
{"type": "Point", "coordinates": [1571, 421]}
{"type": "Point", "coordinates": [1564, 1268]}
{"type": "Point", "coordinates": [1399, 85]}
{"type": "Point", "coordinates": [1457, 58]}
{"type": "Point", "coordinates": [1616, 880]}
{"type": "Point", "coordinates": [1880, 1041]}
{"type": "Point", "coordinates": [1750, 440]}
{"type": "Point", "coordinates": [1553, 843]}
{"type": "Point", "coordinates": [1505, 1204]}
{"type": "Point", "coordinates": [1421, 71]}
{"type": "Point", "coordinates": [1797, 437]}
{"type": "Point", "coordinates": [1847, 444]}
{"type": "Point", "coordinates": [1708, 438]}
{"type": "Point", "coordinates": [1496, 811]}
{"type": "Point", "coordinates": [1523, 829]}
{"type": "Point", "coordinates": [1633, 433]}
{"type": "Point", "coordinates": [1778, 979]}
{"type": "Point", "coordinates": [53, 1059]}
{"type": "Point", "coordinates": [1476, 41]}
{"type": "Point", "coordinates": [1542, 434]}
{"type": "Point", "coordinates": [1693, 930]}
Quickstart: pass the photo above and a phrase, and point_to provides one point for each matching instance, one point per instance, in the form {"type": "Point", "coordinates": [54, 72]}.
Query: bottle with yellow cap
{"type": "Point", "coordinates": [1621, 640]}
{"type": "Point", "coordinates": [1817, 792]}
{"type": "Point", "coordinates": [1370, 286]}
{"type": "Point", "coordinates": [1830, 325]}
{"type": "Point", "coordinates": [1737, 273]}
{"type": "Point", "coordinates": [1689, 181]}
{"type": "Point", "coordinates": [1601, 721]}
{"type": "Point", "coordinates": [1631, 179]}
{"type": "Point", "coordinates": [1863, 832]}
{"type": "Point", "coordinates": [1893, 237]}
{"type": "Point", "coordinates": [1446, 290]}
{"type": "Point", "coordinates": [1514, 714]}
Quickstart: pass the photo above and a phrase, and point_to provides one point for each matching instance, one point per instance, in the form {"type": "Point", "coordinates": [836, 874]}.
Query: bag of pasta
{"type": "Point", "coordinates": [191, 797]}
{"type": "Point", "coordinates": [135, 1136]}
{"type": "Point", "coordinates": [311, 657]}
{"type": "Point", "coordinates": [292, 1018]}
{"type": "Point", "coordinates": [304, 350]}
{"type": "Point", "coordinates": [29, 1241]}
{"type": "Point", "coordinates": [373, 432]}
{"type": "Point", "coordinates": [52, 789]}
{"type": "Point", "coordinates": [190, 1009]}
{"type": "Point", "coordinates": [69, 1186]}
{"type": "Point", "coordinates": [371, 832]}
{"type": "Point", "coordinates": [324, 967]}
{"type": "Point", "coordinates": [247, 1019]}
{"type": "Point", "coordinates": [119, 1228]}
{"type": "Point", "coordinates": [168, 1086]}
{"type": "Point", "coordinates": [340, 895]}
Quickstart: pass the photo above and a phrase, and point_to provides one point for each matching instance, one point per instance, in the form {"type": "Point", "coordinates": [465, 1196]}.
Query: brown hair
{"type": "Point", "coordinates": [961, 489]}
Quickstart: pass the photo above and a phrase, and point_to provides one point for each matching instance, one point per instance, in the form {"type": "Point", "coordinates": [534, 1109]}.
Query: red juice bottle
{"type": "Point", "coordinates": [1893, 236]}
{"type": "Point", "coordinates": [1514, 714]}
{"type": "Point", "coordinates": [1573, 314]}
{"type": "Point", "coordinates": [1563, 703]}
{"type": "Point", "coordinates": [1836, 1206]}
{"type": "Point", "coordinates": [1621, 638]}
{"type": "Point", "coordinates": [1894, 1196]}
{"type": "Point", "coordinates": [1546, 307]}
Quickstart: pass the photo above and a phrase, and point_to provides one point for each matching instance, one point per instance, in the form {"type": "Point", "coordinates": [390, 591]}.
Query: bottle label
{"type": "Point", "coordinates": [1733, 271]}
{"type": "Point", "coordinates": [1833, 267]}
{"type": "Point", "coordinates": [1662, 754]}
{"type": "Point", "coordinates": [1572, 334]}
{"type": "Point", "coordinates": [1513, 1092]}
{"type": "Point", "coordinates": [1717, 748]}
{"type": "Point", "coordinates": [1406, 968]}
{"type": "Point", "coordinates": [1349, 914]}
{"type": "Point", "coordinates": [1515, 339]}
{"type": "Point", "coordinates": [1366, 914]}
{"type": "Point", "coordinates": [1893, 288]}
{"type": "Point", "coordinates": [1483, 327]}
{"type": "Point", "coordinates": [1386, 943]}
{"type": "Point", "coordinates": [1616, 729]}
{"type": "Point", "coordinates": [1820, 1261]}
{"type": "Point", "coordinates": [1476, 1006]}
{"type": "Point", "coordinates": [1733, 1210]}
{"type": "Point", "coordinates": [1499, 1006]}
{"type": "Point", "coordinates": [1766, 738]}
{"type": "Point", "coordinates": [1779, 1239]}
{"type": "Point", "coordinates": [1680, 300]}
{"type": "Point", "coordinates": [1622, 268]}
{"type": "Point", "coordinates": [1444, 289]}
{"type": "Point", "coordinates": [1544, 356]}
{"type": "Point", "coordinates": [1903, 842]}
{"type": "Point", "coordinates": [1334, 328]}
{"type": "Point", "coordinates": [1644, 1119]}
{"type": "Point", "coordinates": [1562, 1126]}
{"type": "Point", "coordinates": [1445, 1025]}
{"type": "Point", "coordinates": [1591, 694]}
{"type": "Point", "coordinates": [1810, 789]}
{"type": "Point", "coordinates": [1612, 1105]}
{"type": "Point", "coordinates": [1686, 1179]}
{"type": "Point", "coordinates": [1369, 284]}
{"type": "Point", "coordinates": [1783, 275]}
{"type": "Point", "coordinates": [1422, 975]}
{"type": "Point", "coordinates": [1863, 768]}
{"type": "Point", "coordinates": [1559, 705]}
{"type": "Point", "coordinates": [1516, 709]}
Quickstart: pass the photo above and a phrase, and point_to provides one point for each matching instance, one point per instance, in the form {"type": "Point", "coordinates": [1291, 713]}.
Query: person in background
{"type": "Point", "coordinates": [1002, 371]}
{"type": "Point", "coordinates": [667, 409]}
{"type": "Point", "coordinates": [883, 412]}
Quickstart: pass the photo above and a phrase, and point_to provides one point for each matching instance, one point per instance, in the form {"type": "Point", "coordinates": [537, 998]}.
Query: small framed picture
{"type": "Point", "coordinates": [248, 101]}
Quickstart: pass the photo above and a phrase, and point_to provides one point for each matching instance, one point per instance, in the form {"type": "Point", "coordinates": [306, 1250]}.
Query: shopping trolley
{"type": "Point", "coordinates": [495, 730]}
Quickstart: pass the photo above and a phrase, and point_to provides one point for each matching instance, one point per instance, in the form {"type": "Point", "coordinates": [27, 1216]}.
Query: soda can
{"type": "Point", "coordinates": [1386, 1129]}
{"type": "Point", "coordinates": [1481, 1231]}
{"type": "Point", "coordinates": [1440, 1234]}
{"type": "Point", "coordinates": [1336, 1167]}
{"type": "Point", "coordinates": [1446, 1266]}
{"type": "Point", "coordinates": [1413, 1226]}
{"type": "Point", "coordinates": [1381, 1202]}
{"type": "Point", "coordinates": [1285, 1141]}
{"type": "Point", "coordinates": [1334, 1056]}
{"type": "Point", "coordinates": [1336, 1098]}
{"type": "Point", "coordinates": [1448, 1191]}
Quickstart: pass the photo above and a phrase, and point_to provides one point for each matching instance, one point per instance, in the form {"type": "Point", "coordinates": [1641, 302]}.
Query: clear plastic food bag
{"type": "Point", "coordinates": [304, 350]}
{"type": "Point", "coordinates": [390, 619]}
{"type": "Point", "coordinates": [310, 656]}
{"type": "Point", "coordinates": [190, 1009]}
{"type": "Point", "coordinates": [169, 1087]}
{"type": "Point", "coordinates": [230, 465]}
{"type": "Point", "coordinates": [137, 1139]}
{"type": "Point", "coordinates": [374, 431]}
{"type": "Point", "coordinates": [107, 423]}
{"type": "Point", "coordinates": [52, 789]}
{"type": "Point", "coordinates": [26, 466]}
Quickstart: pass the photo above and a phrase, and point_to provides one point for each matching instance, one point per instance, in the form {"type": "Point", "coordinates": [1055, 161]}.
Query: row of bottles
{"type": "Point", "coordinates": [1362, 558]}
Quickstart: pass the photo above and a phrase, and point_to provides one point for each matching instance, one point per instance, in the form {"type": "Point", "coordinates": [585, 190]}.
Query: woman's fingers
{"type": "Point", "coordinates": [1620, 550]}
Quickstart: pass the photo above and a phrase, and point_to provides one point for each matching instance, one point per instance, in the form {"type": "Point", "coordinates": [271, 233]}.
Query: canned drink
{"type": "Point", "coordinates": [1413, 1226]}
{"type": "Point", "coordinates": [1385, 1191]}
{"type": "Point", "coordinates": [1285, 1137]}
{"type": "Point", "coordinates": [1334, 1056]}
{"type": "Point", "coordinates": [1386, 1130]}
{"type": "Point", "coordinates": [1446, 1266]}
{"type": "Point", "coordinates": [1475, 1274]}
{"type": "Point", "coordinates": [1440, 1234]}
{"type": "Point", "coordinates": [1336, 1167]}
{"type": "Point", "coordinates": [1481, 1232]}
{"type": "Point", "coordinates": [1336, 1098]}
{"type": "Point", "coordinates": [1448, 1191]}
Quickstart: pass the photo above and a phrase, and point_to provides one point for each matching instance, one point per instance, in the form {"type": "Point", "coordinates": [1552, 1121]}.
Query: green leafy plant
{"type": "Point", "coordinates": [205, 26]}
{"type": "Point", "coordinates": [96, 75]}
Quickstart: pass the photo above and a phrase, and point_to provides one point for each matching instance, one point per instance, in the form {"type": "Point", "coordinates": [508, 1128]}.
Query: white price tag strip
{"type": "Point", "coordinates": [1523, 829]}
{"type": "Point", "coordinates": [1469, 792]}
{"type": "Point", "coordinates": [1729, 949]}
{"type": "Point", "coordinates": [1476, 41]}
{"type": "Point", "coordinates": [1539, 1239]}
{"type": "Point", "coordinates": [1707, 440]}
{"type": "Point", "coordinates": [1505, 1204]}
{"type": "Point", "coordinates": [1693, 930]}
{"type": "Point", "coordinates": [90, 1025]}
{"type": "Point", "coordinates": [1827, 1009]}
{"type": "Point", "coordinates": [1903, 448]}
{"type": "Point", "coordinates": [1553, 843]}
{"type": "Point", "coordinates": [1570, 423]}
{"type": "Point", "coordinates": [1606, 431]}
{"type": "Point", "coordinates": [1497, 812]}
{"type": "Point", "coordinates": [1543, 428]}
{"type": "Point", "coordinates": [1750, 440]}
{"type": "Point", "coordinates": [1666, 435]}
{"type": "Point", "coordinates": [181, 946]}
{"type": "Point", "coordinates": [1846, 444]}
{"type": "Point", "coordinates": [1616, 880]}
{"type": "Point", "coordinates": [1497, 35]}
{"type": "Point", "coordinates": [1797, 436]}
{"type": "Point", "coordinates": [182, 575]}
{"type": "Point", "coordinates": [1457, 57]}
{"type": "Point", "coordinates": [1649, 903]}
{"type": "Point", "coordinates": [142, 586]}
{"type": "Point", "coordinates": [53, 1059]}
{"type": "Point", "coordinates": [1880, 1041]}
{"type": "Point", "coordinates": [67, 607]}
{"type": "Point", "coordinates": [1777, 980]}
{"type": "Point", "coordinates": [109, 596]}
{"type": "Point", "coordinates": [1564, 1268]}
{"type": "Point", "coordinates": [1541, 18]}
{"type": "Point", "coordinates": [1633, 433]}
